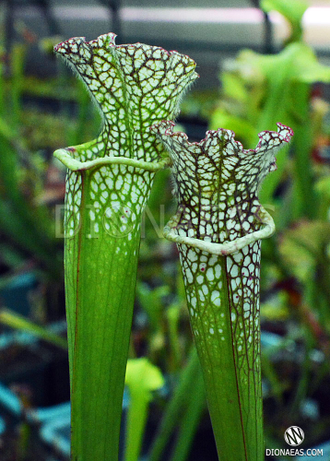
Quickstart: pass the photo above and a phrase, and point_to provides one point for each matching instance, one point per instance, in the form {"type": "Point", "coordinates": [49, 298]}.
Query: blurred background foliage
{"type": "Point", "coordinates": [38, 115]}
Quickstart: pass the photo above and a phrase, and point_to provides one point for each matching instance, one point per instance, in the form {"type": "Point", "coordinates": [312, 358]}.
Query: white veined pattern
{"type": "Point", "coordinates": [217, 228]}
{"type": "Point", "coordinates": [134, 86]}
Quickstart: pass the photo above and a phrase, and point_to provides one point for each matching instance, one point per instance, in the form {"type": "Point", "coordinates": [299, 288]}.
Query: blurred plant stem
{"type": "Point", "coordinates": [183, 411]}
{"type": "Point", "coordinates": [14, 320]}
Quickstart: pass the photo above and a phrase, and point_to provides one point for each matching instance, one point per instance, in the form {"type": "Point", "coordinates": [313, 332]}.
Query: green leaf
{"type": "Point", "coordinates": [108, 184]}
{"type": "Point", "coordinates": [297, 61]}
{"type": "Point", "coordinates": [183, 410]}
{"type": "Point", "coordinates": [142, 377]}
{"type": "Point", "coordinates": [14, 320]}
{"type": "Point", "coordinates": [152, 302]}
{"type": "Point", "coordinates": [24, 223]}
{"type": "Point", "coordinates": [218, 227]}
{"type": "Point", "coordinates": [292, 10]}
{"type": "Point", "coordinates": [242, 128]}
{"type": "Point", "coordinates": [233, 87]}
{"type": "Point", "coordinates": [286, 96]}
{"type": "Point", "coordinates": [302, 247]}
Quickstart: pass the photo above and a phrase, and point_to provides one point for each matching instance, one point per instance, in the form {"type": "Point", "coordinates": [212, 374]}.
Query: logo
{"type": "Point", "coordinates": [294, 436]}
